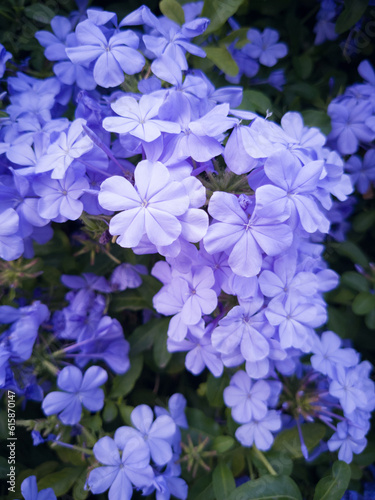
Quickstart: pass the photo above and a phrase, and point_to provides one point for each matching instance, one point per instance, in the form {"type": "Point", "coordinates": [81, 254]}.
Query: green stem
{"type": "Point", "coordinates": [86, 451]}
{"type": "Point", "coordinates": [264, 461]}
{"type": "Point", "coordinates": [250, 466]}
{"type": "Point", "coordinates": [50, 367]}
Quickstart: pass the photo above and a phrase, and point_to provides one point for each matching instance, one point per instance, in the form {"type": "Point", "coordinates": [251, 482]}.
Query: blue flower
{"type": "Point", "coordinates": [343, 441]}
{"type": "Point", "coordinates": [29, 490]}
{"type": "Point", "coordinates": [264, 46]}
{"type": "Point", "coordinates": [150, 207]}
{"type": "Point", "coordinates": [120, 472]}
{"type": "Point", "coordinates": [139, 119]}
{"type": "Point", "coordinates": [76, 391]}
{"type": "Point", "coordinates": [158, 435]}
{"type": "Point", "coordinates": [260, 431]}
{"type": "Point", "coordinates": [59, 199]}
{"type": "Point", "coordinates": [113, 57]}
{"type": "Point", "coordinates": [4, 57]}
{"type": "Point", "coordinates": [247, 400]}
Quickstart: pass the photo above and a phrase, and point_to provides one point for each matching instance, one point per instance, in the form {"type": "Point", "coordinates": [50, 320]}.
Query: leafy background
{"type": "Point", "coordinates": [314, 76]}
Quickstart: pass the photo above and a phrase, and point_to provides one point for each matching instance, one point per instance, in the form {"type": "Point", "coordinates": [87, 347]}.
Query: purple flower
{"type": "Point", "coordinates": [65, 150]}
{"type": "Point", "coordinates": [167, 37]}
{"type": "Point", "coordinates": [201, 353]}
{"type": "Point", "coordinates": [295, 319]}
{"type": "Point", "coordinates": [243, 327]}
{"type": "Point", "coordinates": [4, 57]}
{"type": "Point", "coordinates": [149, 208]}
{"type": "Point", "coordinates": [188, 296]}
{"type": "Point", "coordinates": [247, 400]}
{"type": "Point", "coordinates": [59, 198]}
{"type": "Point", "coordinates": [199, 137]}
{"type": "Point", "coordinates": [120, 472]}
{"type": "Point", "coordinates": [325, 26]}
{"type": "Point", "coordinates": [87, 281]}
{"type": "Point", "coordinates": [348, 124]}
{"type": "Point", "coordinates": [158, 435]}
{"type": "Point", "coordinates": [127, 276]}
{"type": "Point", "coordinates": [76, 391]}
{"type": "Point", "coordinates": [11, 244]}
{"type": "Point", "coordinates": [328, 355]}
{"type": "Point", "coordinates": [29, 490]}
{"type": "Point", "coordinates": [54, 43]}
{"type": "Point", "coordinates": [16, 192]}
{"type": "Point", "coordinates": [291, 192]}
{"type": "Point", "coordinates": [112, 57]}
{"type": "Point", "coordinates": [264, 46]}
{"type": "Point", "coordinates": [139, 118]}
{"type": "Point", "coordinates": [176, 407]}
{"type": "Point", "coordinates": [343, 440]}
{"type": "Point", "coordinates": [259, 431]}
{"type": "Point", "coordinates": [285, 280]}
{"type": "Point", "coordinates": [347, 387]}
{"type": "Point", "coordinates": [245, 237]}
{"type": "Point", "coordinates": [362, 172]}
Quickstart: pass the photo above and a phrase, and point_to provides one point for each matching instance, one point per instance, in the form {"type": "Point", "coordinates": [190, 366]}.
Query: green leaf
{"type": "Point", "coordinates": [61, 481]}
{"type": "Point", "coordinates": [367, 457]}
{"type": "Point", "coordinates": [123, 384]}
{"type": "Point", "coordinates": [317, 118]}
{"type": "Point", "coordinates": [125, 412]}
{"type": "Point", "coordinates": [173, 10]}
{"type": "Point", "coordinates": [305, 90]}
{"type": "Point", "coordinates": [202, 489]}
{"type": "Point", "coordinates": [222, 58]}
{"type": "Point", "coordinates": [136, 299]}
{"type": "Point", "coordinates": [129, 299]}
{"type": "Point", "coordinates": [256, 101]}
{"type": "Point", "coordinates": [47, 467]}
{"type": "Point", "coordinates": [281, 462]}
{"type": "Point", "coordinates": [288, 441]}
{"type": "Point", "coordinates": [268, 488]}
{"type": "Point", "coordinates": [364, 303]}
{"type": "Point", "coordinates": [69, 456]}
{"type": "Point", "coordinates": [40, 13]}
{"type": "Point", "coordinates": [218, 11]}
{"type": "Point", "coordinates": [353, 11]}
{"type": "Point", "coordinates": [239, 35]}
{"type": "Point", "coordinates": [352, 251]}
{"type": "Point", "coordinates": [79, 493]}
{"type": "Point", "coordinates": [161, 354]}
{"type": "Point", "coordinates": [364, 221]}
{"type": "Point", "coordinates": [303, 66]}
{"type": "Point", "coordinates": [370, 320]}
{"type": "Point", "coordinates": [221, 444]}
{"type": "Point", "coordinates": [110, 411]}
{"type": "Point", "coordinates": [214, 390]}
{"type": "Point", "coordinates": [199, 421]}
{"type": "Point", "coordinates": [334, 486]}
{"type": "Point", "coordinates": [144, 336]}
{"type": "Point", "coordinates": [355, 281]}
{"type": "Point", "coordinates": [223, 481]}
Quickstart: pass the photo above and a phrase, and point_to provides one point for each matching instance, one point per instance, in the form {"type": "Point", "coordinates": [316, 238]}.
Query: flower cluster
{"type": "Point", "coordinates": [16, 347]}
{"type": "Point", "coordinates": [234, 208]}
{"type": "Point", "coordinates": [143, 456]}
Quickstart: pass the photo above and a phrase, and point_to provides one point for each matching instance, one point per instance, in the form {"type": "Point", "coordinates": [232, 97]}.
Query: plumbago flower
{"type": "Point", "coordinates": [136, 456]}
{"type": "Point", "coordinates": [29, 490]}
{"type": "Point", "coordinates": [149, 208]}
{"type": "Point", "coordinates": [77, 390]}
{"type": "Point", "coordinates": [113, 56]}
{"type": "Point", "coordinates": [242, 275]}
{"type": "Point", "coordinates": [243, 235]}
{"type": "Point", "coordinates": [138, 118]}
